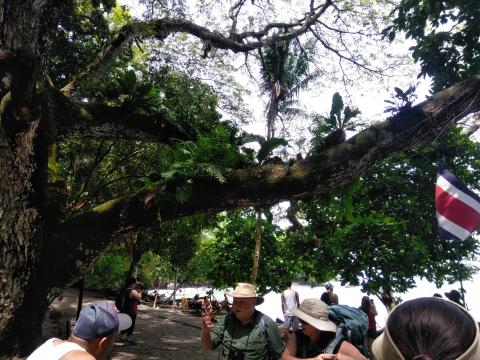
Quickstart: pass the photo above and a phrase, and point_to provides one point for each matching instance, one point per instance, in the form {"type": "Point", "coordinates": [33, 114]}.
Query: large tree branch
{"type": "Point", "coordinates": [324, 173]}
{"type": "Point", "coordinates": [98, 121]}
{"type": "Point", "coordinates": [237, 42]}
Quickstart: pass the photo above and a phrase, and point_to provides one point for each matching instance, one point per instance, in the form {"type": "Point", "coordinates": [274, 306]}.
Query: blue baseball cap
{"type": "Point", "coordinates": [99, 320]}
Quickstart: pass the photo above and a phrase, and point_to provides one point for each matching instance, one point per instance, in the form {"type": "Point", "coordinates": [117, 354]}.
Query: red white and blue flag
{"type": "Point", "coordinates": [458, 208]}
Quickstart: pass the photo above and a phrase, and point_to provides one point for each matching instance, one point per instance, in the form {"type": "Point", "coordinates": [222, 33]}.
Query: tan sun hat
{"type": "Point", "coordinates": [384, 348]}
{"type": "Point", "coordinates": [245, 290]}
{"type": "Point", "coordinates": [315, 312]}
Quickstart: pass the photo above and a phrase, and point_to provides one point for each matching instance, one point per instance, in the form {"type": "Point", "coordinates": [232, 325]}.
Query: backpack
{"type": "Point", "coordinates": [352, 325]}
{"type": "Point", "coordinates": [120, 300]}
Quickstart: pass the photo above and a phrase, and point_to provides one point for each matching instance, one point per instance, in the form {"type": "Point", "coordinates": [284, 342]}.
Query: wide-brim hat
{"type": "Point", "coordinates": [315, 312]}
{"type": "Point", "coordinates": [383, 347]}
{"type": "Point", "coordinates": [453, 295]}
{"type": "Point", "coordinates": [245, 290]}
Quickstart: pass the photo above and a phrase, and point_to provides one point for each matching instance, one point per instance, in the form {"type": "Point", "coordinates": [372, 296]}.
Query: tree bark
{"type": "Point", "coordinates": [25, 35]}
{"type": "Point", "coordinates": [258, 243]}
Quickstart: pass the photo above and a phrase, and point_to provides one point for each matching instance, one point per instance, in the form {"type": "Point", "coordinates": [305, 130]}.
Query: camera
{"type": "Point", "coordinates": [236, 355]}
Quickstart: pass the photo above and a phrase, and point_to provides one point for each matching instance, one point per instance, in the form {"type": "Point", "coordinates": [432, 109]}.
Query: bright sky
{"type": "Point", "coordinates": [370, 100]}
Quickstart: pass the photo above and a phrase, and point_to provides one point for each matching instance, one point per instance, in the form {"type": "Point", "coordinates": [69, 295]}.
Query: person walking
{"type": "Point", "coordinates": [290, 301]}
{"type": "Point", "coordinates": [244, 333]}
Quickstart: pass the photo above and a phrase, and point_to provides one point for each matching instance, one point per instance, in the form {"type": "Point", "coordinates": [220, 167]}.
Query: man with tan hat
{"type": "Point", "coordinates": [317, 339]}
{"type": "Point", "coordinates": [245, 333]}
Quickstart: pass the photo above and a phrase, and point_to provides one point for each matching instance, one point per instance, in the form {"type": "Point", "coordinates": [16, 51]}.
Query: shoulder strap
{"type": "Point", "coordinates": [336, 342]}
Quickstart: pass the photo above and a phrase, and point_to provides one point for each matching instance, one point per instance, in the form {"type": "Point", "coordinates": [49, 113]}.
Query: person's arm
{"type": "Point", "coordinates": [212, 335]}
{"type": "Point", "coordinates": [297, 299]}
{"type": "Point", "coordinates": [206, 338]}
{"type": "Point", "coordinates": [136, 295]}
{"type": "Point", "coordinates": [349, 352]}
{"type": "Point", "coordinates": [284, 305]}
{"type": "Point", "coordinates": [291, 350]}
{"type": "Point", "coordinates": [334, 298]}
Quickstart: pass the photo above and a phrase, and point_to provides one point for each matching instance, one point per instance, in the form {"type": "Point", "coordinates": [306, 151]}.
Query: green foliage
{"type": "Point", "coordinates": [286, 65]}
{"type": "Point", "coordinates": [227, 256]}
{"type": "Point", "coordinates": [402, 99]}
{"type": "Point", "coordinates": [148, 268]}
{"type": "Point", "coordinates": [109, 271]}
{"type": "Point", "coordinates": [446, 34]}
{"type": "Point", "coordinates": [80, 36]}
{"type": "Point", "coordinates": [267, 148]}
{"type": "Point", "coordinates": [341, 118]}
{"type": "Point", "coordinates": [372, 233]}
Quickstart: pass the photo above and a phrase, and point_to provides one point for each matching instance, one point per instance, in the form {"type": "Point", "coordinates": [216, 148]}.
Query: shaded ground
{"type": "Point", "coordinates": [159, 333]}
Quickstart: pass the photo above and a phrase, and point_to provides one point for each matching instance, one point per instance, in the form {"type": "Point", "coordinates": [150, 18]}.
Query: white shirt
{"type": "Point", "coordinates": [290, 301]}
{"type": "Point", "coordinates": [53, 352]}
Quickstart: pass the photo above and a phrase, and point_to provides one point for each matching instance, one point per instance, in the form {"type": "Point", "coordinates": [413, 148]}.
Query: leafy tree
{"type": "Point", "coordinates": [446, 34]}
{"type": "Point", "coordinates": [227, 255]}
{"type": "Point", "coordinates": [381, 232]}
{"type": "Point", "coordinates": [49, 104]}
{"type": "Point", "coordinates": [109, 271]}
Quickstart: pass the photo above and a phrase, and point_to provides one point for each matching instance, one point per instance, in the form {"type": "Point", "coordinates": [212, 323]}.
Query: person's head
{"type": "Point", "coordinates": [313, 315]}
{"type": "Point", "coordinates": [140, 286]}
{"type": "Point", "coordinates": [130, 282]}
{"type": "Point", "coordinates": [454, 296]}
{"type": "Point", "coordinates": [437, 295]}
{"type": "Point", "coordinates": [329, 287]}
{"type": "Point", "coordinates": [365, 304]}
{"type": "Point", "coordinates": [97, 326]}
{"type": "Point", "coordinates": [244, 300]}
{"type": "Point", "coordinates": [428, 328]}
{"type": "Point", "coordinates": [288, 284]}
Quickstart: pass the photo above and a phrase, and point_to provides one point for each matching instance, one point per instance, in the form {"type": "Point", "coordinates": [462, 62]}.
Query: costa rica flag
{"type": "Point", "coordinates": [458, 208]}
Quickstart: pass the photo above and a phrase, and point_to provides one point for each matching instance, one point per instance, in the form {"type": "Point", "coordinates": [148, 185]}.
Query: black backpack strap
{"type": "Point", "coordinates": [334, 345]}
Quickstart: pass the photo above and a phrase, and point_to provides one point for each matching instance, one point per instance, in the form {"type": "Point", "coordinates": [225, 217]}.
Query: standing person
{"type": "Point", "coordinates": [428, 328]}
{"type": "Point", "coordinates": [133, 295]}
{"type": "Point", "coordinates": [318, 339]}
{"type": "Point", "coordinates": [290, 301]}
{"type": "Point", "coordinates": [329, 297]}
{"type": "Point", "coordinates": [245, 333]}
{"type": "Point", "coordinates": [454, 296]}
{"type": "Point", "coordinates": [369, 308]}
{"type": "Point", "coordinates": [92, 337]}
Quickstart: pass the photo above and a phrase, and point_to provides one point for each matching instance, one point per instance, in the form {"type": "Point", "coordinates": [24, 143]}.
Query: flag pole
{"type": "Point", "coordinates": [459, 269]}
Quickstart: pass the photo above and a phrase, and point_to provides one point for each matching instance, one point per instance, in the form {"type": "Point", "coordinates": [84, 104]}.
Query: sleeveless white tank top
{"type": "Point", "coordinates": [53, 352]}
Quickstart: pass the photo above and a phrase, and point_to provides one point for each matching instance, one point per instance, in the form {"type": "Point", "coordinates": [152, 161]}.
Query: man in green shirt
{"type": "Point", "coordinates": [245, 333]}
